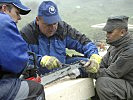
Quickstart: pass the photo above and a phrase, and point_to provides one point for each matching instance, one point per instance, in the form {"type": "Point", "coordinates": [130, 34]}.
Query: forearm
{"type": "Point", "coordinates": [35, 59]}
{"type": "Point", "coordinates": [101, 73]}
{"type": "Point", "coordinates": [89, 49]}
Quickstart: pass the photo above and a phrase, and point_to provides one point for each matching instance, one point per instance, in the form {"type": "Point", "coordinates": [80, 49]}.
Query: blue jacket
{"type": "Point", "coordinates": [64, 37]}
{"type": "Point", "coordinates": [13, 55]}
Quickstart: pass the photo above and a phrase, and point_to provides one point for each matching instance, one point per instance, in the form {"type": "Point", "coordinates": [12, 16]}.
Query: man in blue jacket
{"type": "Point", "coordinates": [48, 36]}
{"type": "Point", "coordinates": [13, 55]}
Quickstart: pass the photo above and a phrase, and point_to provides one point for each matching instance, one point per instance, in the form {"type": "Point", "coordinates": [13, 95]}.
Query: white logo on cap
{"type": "Point", "coordinates": [52, 10]}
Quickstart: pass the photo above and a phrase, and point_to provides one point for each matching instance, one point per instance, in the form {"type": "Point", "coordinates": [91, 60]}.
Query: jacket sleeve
{"type": "Point", "coordinates": [33, 48]}
{"type": "Point", "coordinates": [30, 35]}
{"type": "Point", "coordinates": [13, 52]}
{"type": "Point", "coordinates": [79, 42]}
{"type": "Point", "coordinates": [119, 68]}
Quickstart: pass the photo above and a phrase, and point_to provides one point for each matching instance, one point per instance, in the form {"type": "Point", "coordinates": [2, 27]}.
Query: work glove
{"type": "Point", "coordinates": [92, 66]}
{"type": "Point", "coordinates": [50, 62]}
{"type": "Point", "coordinates": [96, 57]}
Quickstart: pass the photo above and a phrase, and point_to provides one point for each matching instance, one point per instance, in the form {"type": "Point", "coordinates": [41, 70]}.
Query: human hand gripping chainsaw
{"type": "Point", "coordinates": [50, 62]}
{"type": "Point", "coordinates": [92, 66]}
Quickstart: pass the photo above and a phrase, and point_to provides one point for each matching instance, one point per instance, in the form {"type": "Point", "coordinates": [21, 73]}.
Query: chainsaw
{"type": "Point", "coordinates": [31, 72]}
{"type": "Point", "coordinates": [64, 70]}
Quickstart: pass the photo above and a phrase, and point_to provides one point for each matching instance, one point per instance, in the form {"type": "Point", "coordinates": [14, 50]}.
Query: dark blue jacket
{"type": "Point", "coordinates": [64, 37]}
{"type": "Point", "coordinates": [13, 55]}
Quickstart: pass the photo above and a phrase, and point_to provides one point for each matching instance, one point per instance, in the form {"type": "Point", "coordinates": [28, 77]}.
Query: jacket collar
{"type": "Point", "coordinates": [122, 40]}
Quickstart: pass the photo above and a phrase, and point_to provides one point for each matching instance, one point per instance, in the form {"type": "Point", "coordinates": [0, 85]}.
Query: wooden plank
{"type": "Point", "coordinates": [78, 89]}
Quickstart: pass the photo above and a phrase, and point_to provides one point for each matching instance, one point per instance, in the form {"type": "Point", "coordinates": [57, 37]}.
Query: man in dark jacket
{"type": "Point", "coordinates": [114, 80]}
{"type": "Point", "coordinates": [48, 36]}
{"type": "Point", "coordinates": [13, 56]}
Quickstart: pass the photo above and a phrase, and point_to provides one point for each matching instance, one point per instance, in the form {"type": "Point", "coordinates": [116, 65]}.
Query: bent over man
{"type": "Point", "coordinates": [48, 36]}
{"type": "Point", "coordinates": [13, 56]}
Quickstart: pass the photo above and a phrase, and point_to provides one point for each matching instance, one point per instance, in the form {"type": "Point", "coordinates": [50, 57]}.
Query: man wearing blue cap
{"type": "Point", "coordinates": [13, 56]}
{"type": "Point", "coordinates": [48, 36]}
{"type": "Point", "coordinates": [114, 79]}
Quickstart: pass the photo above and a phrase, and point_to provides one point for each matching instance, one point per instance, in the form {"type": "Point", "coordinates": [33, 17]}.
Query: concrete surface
{"type": "Point", "coordinates": [78, 89]}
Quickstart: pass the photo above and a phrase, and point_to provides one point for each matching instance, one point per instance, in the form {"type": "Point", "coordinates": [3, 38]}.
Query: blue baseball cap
{"type": "Point", "coordinates": [49, 11]}
{"type": "Point", "coordinates": [17, 3]}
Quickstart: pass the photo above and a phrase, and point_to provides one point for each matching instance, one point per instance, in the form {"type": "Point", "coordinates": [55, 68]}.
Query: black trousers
{"type": "Point", "coordinates": [113, 89]}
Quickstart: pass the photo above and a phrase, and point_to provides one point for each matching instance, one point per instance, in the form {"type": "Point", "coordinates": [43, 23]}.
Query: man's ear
{"type": "Point", "coordinates": [4, 8]}
{"type": "Point", "coordinates": [123, 32]}
{"type": "Point", "coordinates": [37, 20]}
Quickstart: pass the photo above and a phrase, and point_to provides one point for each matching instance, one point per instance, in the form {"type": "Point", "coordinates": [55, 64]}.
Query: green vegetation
{"type": "Point", "coordinates": [82, 14]}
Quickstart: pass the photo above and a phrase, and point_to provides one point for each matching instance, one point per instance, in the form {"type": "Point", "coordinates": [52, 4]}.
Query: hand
{"type": "Point", "coordinates": [92, 66]}
{"type": "Point", "coordinates": [50, 62]}
{"type": "Point", "coordinates": [96, 57]}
